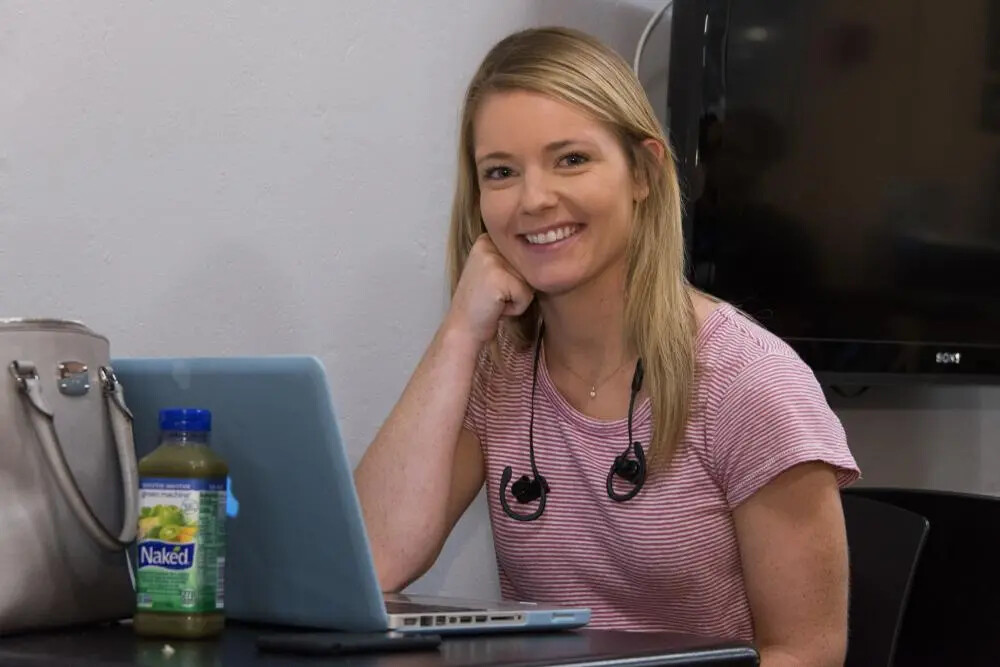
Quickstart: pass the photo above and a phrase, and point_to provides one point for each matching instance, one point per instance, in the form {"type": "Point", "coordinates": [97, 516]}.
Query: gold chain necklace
{"type": "Point", "coordinates": [594, 387]}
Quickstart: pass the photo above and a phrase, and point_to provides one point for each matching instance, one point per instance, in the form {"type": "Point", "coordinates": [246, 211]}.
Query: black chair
{"type": "Point", "coordinates": [951, 618]}
{"type": "Point", "coordinates": [884, 546]}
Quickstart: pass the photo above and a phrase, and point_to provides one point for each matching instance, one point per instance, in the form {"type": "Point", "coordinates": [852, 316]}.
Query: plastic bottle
{"type": "Point", "coordinates": [181, 540]}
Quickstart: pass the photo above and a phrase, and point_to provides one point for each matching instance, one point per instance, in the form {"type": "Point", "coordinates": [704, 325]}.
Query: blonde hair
{"type": "Point", "coordinates": [659, 319]}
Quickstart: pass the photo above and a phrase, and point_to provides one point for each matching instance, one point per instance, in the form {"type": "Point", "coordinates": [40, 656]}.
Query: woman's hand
{"type": "Point", "coordinates": [489, 288]}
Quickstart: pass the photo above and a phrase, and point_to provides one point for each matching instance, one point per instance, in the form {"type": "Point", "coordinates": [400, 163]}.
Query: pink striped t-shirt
{"type": "Point", "coordinates": [668, 559]}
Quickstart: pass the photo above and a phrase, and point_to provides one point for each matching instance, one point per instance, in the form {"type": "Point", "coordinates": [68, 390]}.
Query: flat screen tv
{"type": "Point", "coordinates": [840, 165]}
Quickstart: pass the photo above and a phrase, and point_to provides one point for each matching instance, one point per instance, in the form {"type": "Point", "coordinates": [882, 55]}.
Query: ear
{"type": "Point", "coordinates": [656, 148]}
{"type": "Point", "coordinates": [659, 153]}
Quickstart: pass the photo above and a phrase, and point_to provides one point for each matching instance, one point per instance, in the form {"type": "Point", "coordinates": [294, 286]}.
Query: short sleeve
{"type": "Point", "coordinates": [475, 411]}
{"type": "Point", "coordinates": [771, 417]}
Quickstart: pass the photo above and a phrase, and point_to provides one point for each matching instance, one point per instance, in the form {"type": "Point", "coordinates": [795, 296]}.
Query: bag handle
{"type": "Point", "coordinates": [40, 414]}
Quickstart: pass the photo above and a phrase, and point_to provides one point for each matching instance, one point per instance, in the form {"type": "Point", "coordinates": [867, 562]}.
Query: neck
{"type": "Point", "coordinates": [584, 329]}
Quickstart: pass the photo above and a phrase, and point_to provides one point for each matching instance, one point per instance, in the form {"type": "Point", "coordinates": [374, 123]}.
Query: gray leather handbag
{"type": "Point", "coordinates": [67, 474]}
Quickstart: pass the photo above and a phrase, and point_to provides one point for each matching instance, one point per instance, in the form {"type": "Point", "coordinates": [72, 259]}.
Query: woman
{"type": "Point", "coordinates": [572, 333]}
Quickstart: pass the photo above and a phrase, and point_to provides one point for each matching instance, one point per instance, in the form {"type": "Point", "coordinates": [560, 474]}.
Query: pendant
{"type": "Point", "coordinates": [593, 392]}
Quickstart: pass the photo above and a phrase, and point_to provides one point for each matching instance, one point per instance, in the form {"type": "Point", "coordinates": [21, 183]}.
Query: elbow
{"type": "Point", "coordinates": [393, 571]}
{"type": "Point", "coordinates": [396, 570]}
{"type": "Point", "coordinates": [393, 577]}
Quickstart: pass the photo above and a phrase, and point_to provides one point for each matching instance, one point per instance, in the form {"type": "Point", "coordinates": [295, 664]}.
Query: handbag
{"type": "Point", "coordinates": [67, 473]}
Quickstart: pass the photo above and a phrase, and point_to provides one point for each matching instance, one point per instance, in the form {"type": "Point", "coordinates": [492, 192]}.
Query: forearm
{"type": "Point", "coordinates": [404, 478]}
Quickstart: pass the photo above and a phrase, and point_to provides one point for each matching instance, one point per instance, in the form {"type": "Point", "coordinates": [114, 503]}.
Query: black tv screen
{"type": "Point", "coordinates": [840, 163]}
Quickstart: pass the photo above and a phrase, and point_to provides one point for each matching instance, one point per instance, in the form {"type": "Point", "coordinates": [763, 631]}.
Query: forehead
{"type": "Point", "coordinates": [516, 121]}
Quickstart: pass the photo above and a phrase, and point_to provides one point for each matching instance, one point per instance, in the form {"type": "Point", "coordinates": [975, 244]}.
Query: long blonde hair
{"type": "Point", "coordinates": [659, 317]}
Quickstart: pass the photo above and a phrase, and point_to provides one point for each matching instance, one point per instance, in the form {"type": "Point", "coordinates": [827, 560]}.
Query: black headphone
{"type": "Point", "coordinates": [526, 490]}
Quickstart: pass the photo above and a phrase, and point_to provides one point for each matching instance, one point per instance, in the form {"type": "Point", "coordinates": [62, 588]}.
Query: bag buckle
{"type": "Point", "coordinates": [109, 381]}
{"type": "Point", "coordinates": [22, 371]}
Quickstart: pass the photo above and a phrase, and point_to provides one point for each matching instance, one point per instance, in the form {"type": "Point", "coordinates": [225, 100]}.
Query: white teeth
{"type": "Point", "coordinates": [552, 235]}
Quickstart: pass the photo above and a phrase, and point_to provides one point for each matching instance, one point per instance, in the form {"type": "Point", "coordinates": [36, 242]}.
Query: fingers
{"type": "Point", "coordinates": [519, 297]}
{"type": "Point", "coordinates": [489, 247]}
{"type": "Point", "coordinates": [515, 292]}
{"type": "Point", "coordinates": [516, 308]}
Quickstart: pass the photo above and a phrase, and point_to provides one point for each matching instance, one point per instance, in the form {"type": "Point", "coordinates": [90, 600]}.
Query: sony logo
{"type": "Point", "coordinates": [948, 357]}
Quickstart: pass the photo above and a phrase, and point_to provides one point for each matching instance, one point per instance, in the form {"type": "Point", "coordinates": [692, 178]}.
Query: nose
{"type": "Point", "coordinates": [537, 192]}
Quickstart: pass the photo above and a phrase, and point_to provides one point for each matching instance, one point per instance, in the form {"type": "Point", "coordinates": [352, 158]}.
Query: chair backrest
{"type": "Point", "coordinates": [884, 546]}
{"type": "Point", "coordinates": [951, 618]}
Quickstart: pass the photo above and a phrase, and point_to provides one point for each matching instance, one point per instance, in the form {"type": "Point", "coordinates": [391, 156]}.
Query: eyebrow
{"type": "Point", "coordinates": [549, 148]}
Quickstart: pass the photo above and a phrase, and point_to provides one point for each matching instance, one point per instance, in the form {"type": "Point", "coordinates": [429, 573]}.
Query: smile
{"type": "Point", "coordinates": [553, 235]}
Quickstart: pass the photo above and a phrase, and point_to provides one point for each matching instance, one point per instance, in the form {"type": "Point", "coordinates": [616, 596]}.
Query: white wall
{"type": "Point", "coordinates": [926, 437]}
{"type": "Point", "coordinates": [204, 178]}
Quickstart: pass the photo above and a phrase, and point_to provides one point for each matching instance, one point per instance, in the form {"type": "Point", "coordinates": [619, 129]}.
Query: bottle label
{"type": "Point", "coordinates": [181, 545]}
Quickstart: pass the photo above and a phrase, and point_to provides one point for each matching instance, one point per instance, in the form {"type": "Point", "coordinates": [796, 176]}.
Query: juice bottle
{"type": "Point", "coordinates": [181, 539]}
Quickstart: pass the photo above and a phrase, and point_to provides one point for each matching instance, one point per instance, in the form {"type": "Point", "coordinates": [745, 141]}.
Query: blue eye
{"type": "Point", "coordinates": [574, 160]}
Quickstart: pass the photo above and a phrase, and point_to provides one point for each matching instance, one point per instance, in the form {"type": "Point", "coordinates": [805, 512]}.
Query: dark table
{"type": "Point", "coordinates": [116, 645]}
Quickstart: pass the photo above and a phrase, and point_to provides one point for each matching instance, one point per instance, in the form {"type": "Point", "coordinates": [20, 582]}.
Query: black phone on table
{"type": "Point", "coordinates": [344, 643]}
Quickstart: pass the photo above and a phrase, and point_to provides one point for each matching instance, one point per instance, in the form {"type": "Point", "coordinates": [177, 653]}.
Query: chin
{"type": "Point", "coordinates": [555, 286]}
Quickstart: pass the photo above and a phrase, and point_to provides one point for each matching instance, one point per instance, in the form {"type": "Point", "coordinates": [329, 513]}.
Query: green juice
{"type": "Point", "coordinates": [181, 560]}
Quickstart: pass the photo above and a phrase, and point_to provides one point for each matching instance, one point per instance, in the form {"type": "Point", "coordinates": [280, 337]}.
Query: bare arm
{"type": "Point", "coordinates": [414, 481]}
{"type": "Point", "coordinates": [423, 469]}
{"type": "Point", "coordinates": [794, 549]}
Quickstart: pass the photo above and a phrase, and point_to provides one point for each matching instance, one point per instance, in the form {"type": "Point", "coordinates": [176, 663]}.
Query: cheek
{"type": "Point", "coordinates": [612, 204]}
{"type": "Point", "coordinates": [497, 208]}
{"type": "Point", "coordinates": [624, 202]}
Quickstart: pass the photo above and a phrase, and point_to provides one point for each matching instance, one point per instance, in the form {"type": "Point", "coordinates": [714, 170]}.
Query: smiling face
{"type": "Point", "coordinates": [556, 189]}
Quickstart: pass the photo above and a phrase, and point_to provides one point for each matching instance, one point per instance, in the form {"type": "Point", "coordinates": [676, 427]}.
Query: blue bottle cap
{"type": "Point", "coordinates": [185, 419]}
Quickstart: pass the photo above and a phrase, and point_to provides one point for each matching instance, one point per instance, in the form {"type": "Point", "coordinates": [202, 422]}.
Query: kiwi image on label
{"type": "Point", "coordinates": [166, 522]}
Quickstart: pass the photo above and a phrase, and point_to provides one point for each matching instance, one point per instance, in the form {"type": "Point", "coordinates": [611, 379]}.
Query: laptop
{"type": "Point", "coordinates": [296, 549]}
